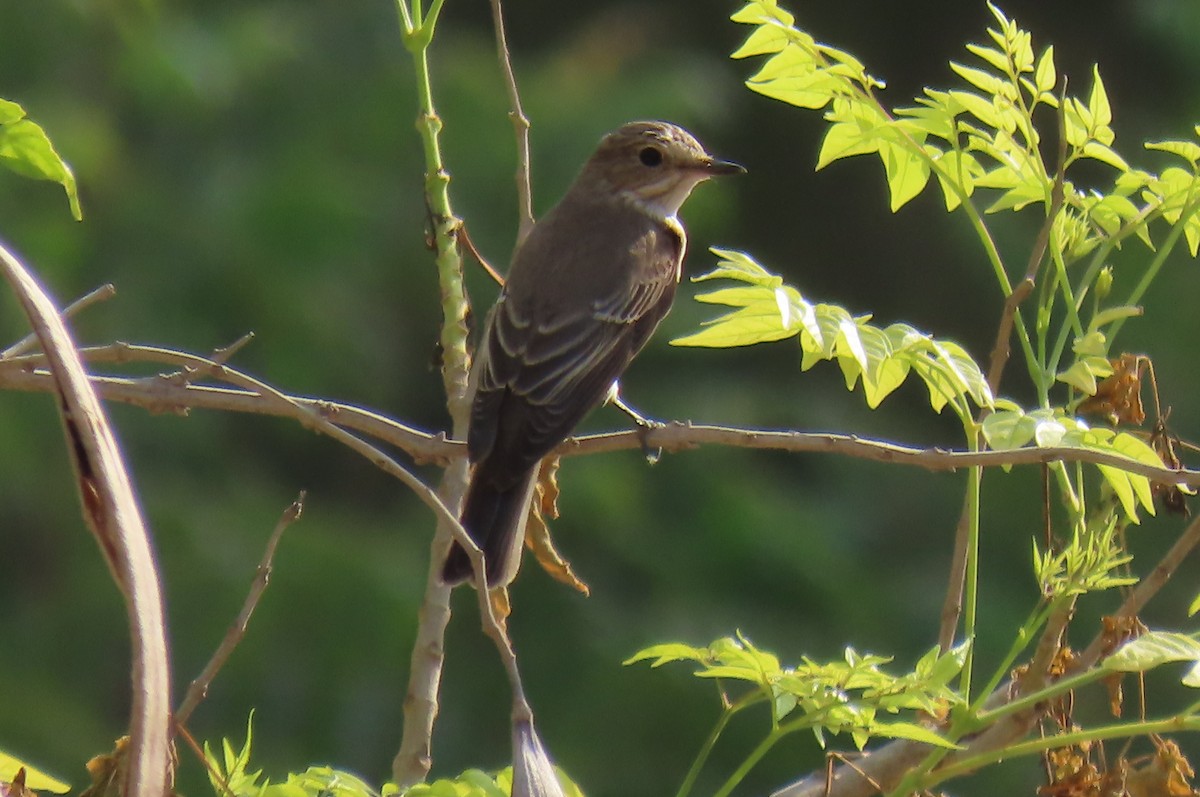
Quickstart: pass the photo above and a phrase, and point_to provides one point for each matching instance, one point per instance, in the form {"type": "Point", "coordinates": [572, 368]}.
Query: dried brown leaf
{"type": "Point", "coordinates": [1118, 398]}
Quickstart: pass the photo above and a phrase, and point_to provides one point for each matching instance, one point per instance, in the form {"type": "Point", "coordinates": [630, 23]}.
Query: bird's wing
{"type": "Point", "coordinates": [540, 376]}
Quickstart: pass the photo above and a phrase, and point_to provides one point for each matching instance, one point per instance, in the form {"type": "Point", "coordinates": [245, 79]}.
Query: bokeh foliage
{"type": "Point", "coordinates": [252, 166]}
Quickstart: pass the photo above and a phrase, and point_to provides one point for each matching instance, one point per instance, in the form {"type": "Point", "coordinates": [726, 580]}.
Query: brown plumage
{"type": "Point", "coordinates": [584, 292]}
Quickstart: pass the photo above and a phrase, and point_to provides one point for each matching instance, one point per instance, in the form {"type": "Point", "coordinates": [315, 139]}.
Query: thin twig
{"type": "Point", "coordinates": [464, 239]}
{"type": "Point", "coordinates": [157, 395]}
{"type": "Point", "coordinates": [952, 604]}
{"type": "Point", "coordinates": [520, 126]}
{"type": "Point", "coordinates": [198, 690]}
{"type": "Point", "coordinates": [27, 343]}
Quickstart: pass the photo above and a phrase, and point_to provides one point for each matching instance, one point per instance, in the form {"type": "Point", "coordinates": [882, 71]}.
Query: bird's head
{"type": "Point", "coordinates": [654, 164]}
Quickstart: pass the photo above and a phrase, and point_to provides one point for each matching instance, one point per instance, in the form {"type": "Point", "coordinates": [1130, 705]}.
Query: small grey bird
{"type": "Point", "coordinates": [585, 290]}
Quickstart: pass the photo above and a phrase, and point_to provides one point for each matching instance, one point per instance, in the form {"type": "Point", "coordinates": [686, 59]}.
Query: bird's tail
{"type": "Point", "coordinates": [495, 519]}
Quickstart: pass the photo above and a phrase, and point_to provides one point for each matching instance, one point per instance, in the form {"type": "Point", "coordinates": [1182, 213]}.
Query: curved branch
{"type": "Point", "coordinates": [164, 394]}
{"type": "Point", "coordinates": [111, 513]}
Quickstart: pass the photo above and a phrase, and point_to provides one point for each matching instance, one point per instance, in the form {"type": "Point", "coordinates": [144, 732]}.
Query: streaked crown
{"type": "Point", "coordinates": [654, 164]}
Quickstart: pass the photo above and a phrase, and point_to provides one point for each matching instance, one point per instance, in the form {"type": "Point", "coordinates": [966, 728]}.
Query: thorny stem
{"type": "Point", "coordinates": [413, 761]}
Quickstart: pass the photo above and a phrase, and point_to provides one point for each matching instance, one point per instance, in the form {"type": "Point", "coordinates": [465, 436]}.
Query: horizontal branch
{"type": "Point", "coordinates": [171, 394]}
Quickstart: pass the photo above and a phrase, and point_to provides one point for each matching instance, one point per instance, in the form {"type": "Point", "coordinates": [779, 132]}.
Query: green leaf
{"type": "Point", "coordinates": [912, 732]}
{"type": "Point", "coordinates": [791, 76]}
{"type": "Point", "coordinates": [26, 149]}
{"type": "Point", "coordinates": [1105, 154]}
{"type": "Point", "coordinates": [759, 322]}
{"type": "Point", "coordinates": [1121, 485]}
{"type": "Point", "coordinates": [764, 40]}
{"type": "Point", "coordinates": [907, 172]}
{"type": "Point", "coordinates": [1045, 77]}
{"type": "Point", "coordinates": [855, 129]}
{"type": "Point", "coordinates": [759, 12]}
{"type": "Point", "coordinates": [35, 779]}
{"type": "Point", "coordinates": [10, 112]}
{"type": "Point", "coordinates": [1098, 105]}
{"type": "Point", "coordinates": [1084, 372]}
{"type": "Point", "coordinates": [1188, 150]}
{"type": "Point", "coordinates": [1152, 650]}
{"type": "Point", "coordinates": [666, 653]}
{"type": "Point", "coordinates": [740, 266]}
{"type": "Point", "coordinates": [996, 59]}
{"type": "Point", "coordinates": [957, 172]}
{"type": "Point", "coordinates": [1048, 431]}
{"type": "Point", "coordinates": [1194, 606]}
{"type": "Point", "coordinates": [1005, 430]}
{"type": "Point", "coordinates": [1078, 122]}
{"type": "Point", "coordinates": [981, 108]}
{"type": "Point", "coordinates": [985, 81]}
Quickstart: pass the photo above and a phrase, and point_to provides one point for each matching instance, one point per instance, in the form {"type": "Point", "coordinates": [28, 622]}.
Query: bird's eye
{"type": "Point", "coordinates": [650, 156]}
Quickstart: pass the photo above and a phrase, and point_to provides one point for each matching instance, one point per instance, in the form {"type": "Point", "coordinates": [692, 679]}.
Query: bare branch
{"type": "Point", "coordinates": [520, 125]}
{"type": "Point", "coordinates": [27, 343]}
{"type": "Point", "coordinates": [111, 513]}
{"type": "Point", "coordinates": [157, 395]}
{"type": "Point", "coordinates": [198, 690]}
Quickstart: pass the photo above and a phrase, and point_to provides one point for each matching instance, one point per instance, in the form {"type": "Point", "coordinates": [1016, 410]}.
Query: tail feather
{"type": "Point", "coordinates": [495, 519]}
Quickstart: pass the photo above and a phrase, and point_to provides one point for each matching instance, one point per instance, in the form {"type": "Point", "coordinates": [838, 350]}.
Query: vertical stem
{"type": "Point", "coordinates": [413, 761]}
{"type": "Point", "coordinates": [971, 580]}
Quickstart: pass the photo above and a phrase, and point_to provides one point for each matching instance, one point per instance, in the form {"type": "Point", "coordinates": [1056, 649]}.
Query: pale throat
{"type": "Point", "coordinates": [664, 213]}
{"type": "Point", "coordinates": [664, 204]}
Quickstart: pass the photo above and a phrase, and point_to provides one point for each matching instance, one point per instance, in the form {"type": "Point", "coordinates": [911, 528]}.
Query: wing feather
{"type": "Point", "coordinates": [546, 367]}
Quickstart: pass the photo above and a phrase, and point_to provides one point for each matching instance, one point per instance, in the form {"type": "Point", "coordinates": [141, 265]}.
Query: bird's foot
{"type": "Point", "coordinates": [644, 426]}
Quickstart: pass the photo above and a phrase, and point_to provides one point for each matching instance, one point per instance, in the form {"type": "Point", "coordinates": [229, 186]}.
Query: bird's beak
{"type": "Point", "coordinates": [718, 167]}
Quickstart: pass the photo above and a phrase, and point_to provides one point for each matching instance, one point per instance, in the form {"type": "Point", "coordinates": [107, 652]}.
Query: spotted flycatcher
{"type": "Point", "coordinates": [585, 290]}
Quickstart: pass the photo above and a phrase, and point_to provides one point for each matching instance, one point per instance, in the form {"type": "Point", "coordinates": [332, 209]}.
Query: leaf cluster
{"type": "Point", "coordinates": [851, 695]}
{"type": "Point", "coordinates": [882, 357]}
{"type": "Point", "coordinates": [230, 776]}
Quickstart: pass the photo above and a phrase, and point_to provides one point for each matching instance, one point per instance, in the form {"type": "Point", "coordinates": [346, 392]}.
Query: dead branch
{"type": "Point", "coordinates": [111, 513]}
{"type": "Point", "coordinates": [198, 690]}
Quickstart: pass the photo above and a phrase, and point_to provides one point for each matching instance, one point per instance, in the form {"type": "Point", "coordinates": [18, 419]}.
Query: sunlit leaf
{"type": "Point", "coordinates": [1152, 650]}
{"type": "Point", "coordinates": [26, 149]}
{"type": "Point", "coordinates": [1045, 77]}
{"type": "Point", "coordinates": [980, 79]}
{"type": "Point", "coordinates": [907, 173]}
{"type": "Point", "coordinates": [35, 779]}
{"type": "Point", "coordinates": [1105, 154]}
{"type": "Point", "coordinates": [739, 266]}
{"type": "Point", "coordinates": [1048, 431]}
{"type": "Point", "coordinates": [957, 173]}
{"type": "Point", "coordinates": [1188, 150]}
{"type": "Point", "coordinates": [1098, 105]}
{"type": "Point", "coordinates": [979, 107]}
{"type": "Point", "coordinates": [758, 12]}
{"type": "Point", "coordinates": [995, 58]}
{"type": "Point", "coordinates": [912, 732]}
{"type": "Point", "coordinates": [666, 653]}
{"type": "Point", "coordinates": [763, 40]}
{"type": "Point", "coordinates": [1008, 429]}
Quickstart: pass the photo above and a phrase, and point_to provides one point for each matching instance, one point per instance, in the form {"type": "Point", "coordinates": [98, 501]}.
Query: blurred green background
{"type": "Point", "coordinates": [253, 165]}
